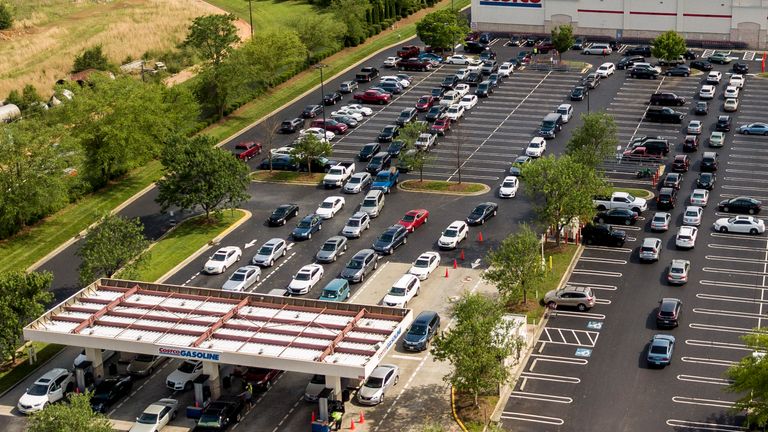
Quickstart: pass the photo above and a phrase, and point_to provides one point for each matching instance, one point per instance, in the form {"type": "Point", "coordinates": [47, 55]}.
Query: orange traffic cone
{"type": "Point", "coordinates": [455, 266]}
{"type": "Point", "coordinates": [462, 255]}
{"type": "Point", "coordinates": [446, 272]}
{"type": "Point", "coordinates": [361, 420]}
{"type": "Point", "coordinates": [480, 237]}
{"type": "Point", "coordinates": [352, 425]}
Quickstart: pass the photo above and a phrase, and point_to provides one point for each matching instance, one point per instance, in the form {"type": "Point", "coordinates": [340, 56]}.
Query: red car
{"type": "Point", "coordinates": [441, 126]}
{"type": "Point", "coordinates": [245, 151]}
{"type": "Point", "coordinates": [425, 102]}
{"type": "Point", "coordinates": [373, 96]}
{"type": "Point", "coordinates": [414, 219]}
{"type": "Point", "coordinates": [261, 378]}
{"type": "Point", "coordinates": [331, 125]}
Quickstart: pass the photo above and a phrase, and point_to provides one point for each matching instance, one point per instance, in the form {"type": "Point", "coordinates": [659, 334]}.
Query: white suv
{"type": "Point", "coordinates": [182, 377]}
{"type": "Point", "coordinates": [49, 388]}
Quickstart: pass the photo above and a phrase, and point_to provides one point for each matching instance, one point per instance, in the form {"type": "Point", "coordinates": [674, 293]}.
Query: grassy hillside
{"type": "Point", "coordinates": [266, 13]}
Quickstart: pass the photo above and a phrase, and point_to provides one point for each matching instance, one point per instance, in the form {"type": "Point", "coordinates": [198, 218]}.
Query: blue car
{"type": "Point", "coordinates": [337, 290]}
{"type": "Point", "coordinates": [660, 350]}
{"type": "Point", "coordinates": [754, 129]}
{"type": "Point", "coordinates": [431, 57]}
{"type": "Point", "coordinates": [390, 239]}
{"type": "Point", "coordinates": [307, 226]}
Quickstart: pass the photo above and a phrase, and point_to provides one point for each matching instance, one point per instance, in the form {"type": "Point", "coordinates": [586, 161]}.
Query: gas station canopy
{"type": "Point", "coordinates": [286, 333]}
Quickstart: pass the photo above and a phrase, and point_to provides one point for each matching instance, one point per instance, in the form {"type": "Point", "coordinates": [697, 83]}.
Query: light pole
{"type": "Point", "coordinates": [322, 66]}
{"type": "Point", "coordinates": [250, 16]}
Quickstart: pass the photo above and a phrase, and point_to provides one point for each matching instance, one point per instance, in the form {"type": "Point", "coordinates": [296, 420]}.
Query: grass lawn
{"type": "Point", "coordinates": [267, 13]}
{"type": "Point", "coordinates": [442, 186]}
{"type": "Point", "coordinates": [26, 248]}
{"type": "Point", "coordinates": [475, 417]}
{"type": "Point", "coordinates": [183, 241]}
{"type": "Point", "coordinates": [637, 192]}
{"type": "Point", "coordinates": [287, 177]}
{"type": "Point", "coordinates": [10, 376]}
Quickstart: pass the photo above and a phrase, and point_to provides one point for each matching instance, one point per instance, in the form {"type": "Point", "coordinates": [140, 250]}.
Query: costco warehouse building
{"type": "Point", "coordinates": [740, 23]}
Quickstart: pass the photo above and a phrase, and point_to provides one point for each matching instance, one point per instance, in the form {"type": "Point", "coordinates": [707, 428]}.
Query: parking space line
{"type": "Point", "coordinates": [708, 361]}
{"type": "Point", "coordinates": [288, 414]}
{"type": "Point", "coordinates": [735, 236]}
{"type": "Point", "coordinates": [730, 298]}
{"type": "Point", "coordinates": [703, 402]}
{"type": "Point", "coordinates": [564, 341]}
{"type": "Point", "coordinates": [556, 359]}
{"type": "Point", "coordinates": [274, 270]}
{"type": "Point", "coordinates": [541, 397]}
{"type": "Point", "coordinates": [405, 357]}
{"type": "Point", "coordinates": [714, 344]}
{"type": "Point", "coordinates": [550, 377]}
{"type": "Point", "coordinates": [723, 329]}
{"type": "Point", "coordinates": [607, 249]}
{"type": "Point", "coordinates": [731, 284]}
{"type": "Point", "coordinates": [728, 313]}
{"type": "Point", "coordinates": [595, 286]}
{"type": "Point", "coordinates": [705, 380]}
{"type": "Point", "coordinates": [596, 273]}
{"type": "Point", "coordinates": [735, 247]}
{"type": "Point", "coordinates": [603, 260]}
{"type": "Point", "coordinates": [733, 271]}
{"type": "Point", "coordinates": [734, 259]}
{"type": "Point", "coordinates": [585, 315]}
{"type": "Point", "coordinates": [509, 415]}
{"type": "Point", "coordinates": [701, 426]}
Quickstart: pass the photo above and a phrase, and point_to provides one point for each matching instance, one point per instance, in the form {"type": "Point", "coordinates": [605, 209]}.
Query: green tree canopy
{"type": "Point", "coordinates": [310, 148]}
{"type": "Point", "coordinates": [562, 189]}
{"type": "Point", "coordinates": [516, 265]}
{"type": "Point", "coordinates": [477, 345]}
{"type": "Point", "coordinates": [114, 243]}
{"type": "Point", "coordinates": [410, 133]}
{"type": "Point", "coordinates": [319, 33]}
{"type": "Point", "coordinates": [6, 17]}
{"type": "Point", "coordinates": [199, 174]}
{"type": "Point", "coordinates": [274, 54]}
{"type": "Point", "coordinates": [595, 140]}
{"type": "Point", "coordinates": [417, 160]}
{"type": "Point", "coordinates": [750, 379]}
{"type": "Point", "coordinates": [562, 38]}
{"type": "Point", "coordinates": [91, 58]}
{"type": "Point", "coordinates": [213, 37]}
{"type": "Point", "coordinates": [23, 297]}
{"type": "Point", "coordinates": [668, 46]}
{"type": "Point", "coordinates": [352, 14]}
{"type": "Point", "coordinates": [77, 415]}
{"type": "Point", "coordinates": [443, 28]}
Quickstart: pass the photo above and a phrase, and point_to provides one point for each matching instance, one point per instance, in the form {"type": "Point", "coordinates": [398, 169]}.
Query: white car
{"type": "Point", "coordinates": [736, 81]}
{"type": "Point", "coordinates": [740, 224]}
{"type": "Point", "coordinates": [318, 132]}
{"type": "Point", "coordinates": [565, 111]}
{"type": "Point", "coordinates": [455, 112]}
{"type": "Point", "coordinates": [391, 62]}
{"type": "Point", "coordinates": [474, 66]}
{"type": "Point", "coordinates": [731, 105]}
{"type": "Point", "coordinates": [394, 79]}
{"type": "Point", "coordinates": [403, 291]}
{"type": "Point", "coordinates": [269, 252]}
{"type": "Point", "coordinates": [182, 377]}
{"type": "Point", "coordinates": [468, 102]}
{"type": "Point", "coordinates": [242, 279]}
{"type": "Point", "coordinates": [281, 151]}
{"type": "Point", "coordinates": [506, 69]}
{"type": "Point", "coordinates": [714, 77]}
{"type": "Point", "coordinates": [458, 59]}
{"type": "Point", "coordinates": [731, 92]}
{"type": "Point", "coordinates": [156, 416]}
{"type": "Point", "coordinates": [605, 70]}
{"type": "Point", "coordinates": [686, 237]}
{"type": "Point", "coordinates": [364, 110]}
{"type": "Point", "coordinates": [453, 235]}
{"type": "Point", "coordinates": [461, 74]}
{"type": "Point", "coordinates": [694, 127]}
{"type": "Point", "coordinates": [707, 92]}
{"type": "Point", "coordinates": [508, 187]}
{"type": "Point", "coordinates": [306, 278]}
{"type": "Point", "coordinates": [425, 264]}
{"type": "Point", "coordinates": [384, 377]}
{"type": "Point", "coordinates": [330, 206]}
{"type": "Point", "coordinates": [536, 147]}
{"type": "Point", "coordinates": [450, 97]}
{"type": "Point", "coordinates": [49, 388]}
{"type": "Point", "coordinates": [693, 215]}
{"type": "Point", "coordinates": [699, 197]}
{"type": "Point", "coordinates": [356, 224]}
{"type": "Point", "coordinates": [461, 89]}
{"type": "Point", "coordinates": [220, 261]}
{"type": "Point", "coordinates": [425, 141]}
{"type": "Point", "coordinates": [349, 113]}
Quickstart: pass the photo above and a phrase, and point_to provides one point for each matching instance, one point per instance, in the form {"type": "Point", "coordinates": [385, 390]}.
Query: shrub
{"type": "Point", "coordinates": [6, 17]}
{"type": "Point", "coordinates": [92, 58]}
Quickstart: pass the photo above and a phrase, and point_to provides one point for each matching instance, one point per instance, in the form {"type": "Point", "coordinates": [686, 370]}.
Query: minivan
{"type": "Point", "coordinates": [421, 332]}
{"type": "Point", "coordinates": [667, 198]}
{"type": "Point", "coordinates": [380, 161]}
{"type": "Point", "coordinates": [348, 87]}
{"type": "Point", "coordinates": [484, 89]}
{"type": "Point", "coordinates": [373, 203]}
{"type": "Point", "coordinates": [551, 124]}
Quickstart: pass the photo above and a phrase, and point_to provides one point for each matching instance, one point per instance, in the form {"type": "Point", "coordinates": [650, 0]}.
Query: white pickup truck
{"type": "Point", "coordinates": [339, 174]}
{"type": "Point", "coordinates": [425, 141]}
{"type": "Point", "coordinates": [621, 200]}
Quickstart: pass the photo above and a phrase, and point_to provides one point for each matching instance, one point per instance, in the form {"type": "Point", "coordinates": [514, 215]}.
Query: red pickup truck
{"type": "Point", "coordinates": [372, 96]}
{"type": "Point", "coordinates": [641, 153]}
{"type": "Point", "coordinates": [441, 126]}
{"type": "Point", "coordinates": [245, 151]}
{"type": "Point", "coordinates": [408, 51]}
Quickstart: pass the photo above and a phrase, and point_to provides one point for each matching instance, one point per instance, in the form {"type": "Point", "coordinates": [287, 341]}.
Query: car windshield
{"type": "Point", "coordinates": [421, 263]}
{"type": "Point", "coordinates": [386, 237]}
{"type": "Point", "coordinates": [677, 270]}
{"type": "Point", "coordinates": [418, 330]}
{"type": "Point", "coordinates": [698, 195]}
{"type": "Point", "coordinates": [330, 246]}
{"type": "Point", "coordinates": [38, 390]}
{"type": "Point", "coordinates": [327, 204]}
{"type": "Point", "coordinates": [305, 224]}
{"type": "Point", "coordinates": [147, 418]}
{"type": "Point", "coordinates": [330, 294]}
{"type": "Point", "coordinates": [355, 180]}
{"type": "Point", "coordinates": [265, 250]}
{"type": "Point", "coordinates": [422, 101]}
{"type": "Point", "coordinates": [647, 249]}
{"type": "Point", "coordinates": [369, 203]}
{"type": "Point", "coordinates": [353, 223]}
{"type": "Point", "coordinates": [374, 382]}
{"type": "Point", "coordinates": [409, 218]}
{"type": "Point", "coordinates": [659, 219]}
{"type": "Point", "coordinates": [536, 144]}
{"type": "Point", "coordinates": [466, 99]}
{"type": "Point", "coordinates": [187, 367]}
{"type": "Point", "coordinates": [508, 184]}
{"type": "Point", "coordinates": [658, 349]}
{"type": "Point", "coordinates": [355, 265]}
{"type": "Point", "coordinates": [237, 277]}
{"type": "Point", "coordinates": [450, 233]}
{"type": "Point", "coordinates": [691, 213]}
{"type": "Point", "coordinates": [302, 276]}
{"type": "Point", "coordinates": [397, 291]}
{"type": "Point", "coordinates": [453, 109]}
{"type": "Point", "coordinates": [210, 421]}
{"type": "Point", "coordinates": [219, 257]}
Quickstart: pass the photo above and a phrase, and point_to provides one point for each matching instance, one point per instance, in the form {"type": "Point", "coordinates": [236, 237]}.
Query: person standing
{"type": "Point", "coordinates": [336, 419]}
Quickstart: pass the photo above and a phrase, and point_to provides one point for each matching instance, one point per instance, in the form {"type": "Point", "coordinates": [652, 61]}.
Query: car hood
{"type": "Point", "coordinates": [29, 400]}
{"type": "Point", "coordinates": [233, 286]}
{"type": "Point", "coordinates": [323, 254]}
{"type": "Point", "coordinates": [301, 231]}
{"type": "Point", "coordinates": [323, 211]}
{"type": "Point", "coordinates": [369, 393]}
{"type": "Point", "coordinates": [214, 264]}
{"type": "Point", "coordinates": [142, 427]}
{"type": "Point", "coordinates": [351, 229]}
{"type": "Point", "coordinates": [413, 338]}
{"type": "Point", "coordinates": [352, 186]}
{"type": "Point", "coordinates": [276, 218]}
{"type": "Point", "coordinates": [507, 190]}
{"type": "Point", "coordinates": [619, 234]}
{"type": "Point", "coordinates": [448, 240]}
{"type": "Point", "coordinates": [379, 244]}
{"type": "Point", "coordinates": [299, 284]}
{"type": "Point", "coordinates": [178, 376]}
{"type": "Point", "coordinates": [418, 271]}
{"type": "Point", "coordinates": [348, 273]}
{"type": "Point", "coordinates": [261, 257]}
{"type": "Point", "coordinates": [394, 300]}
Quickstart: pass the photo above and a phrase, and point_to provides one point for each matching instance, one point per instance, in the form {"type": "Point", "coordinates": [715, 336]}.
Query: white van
{"type": "Point", "coordinates": [373, 203]}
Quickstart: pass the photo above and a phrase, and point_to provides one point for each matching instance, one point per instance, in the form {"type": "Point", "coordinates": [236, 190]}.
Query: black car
{"type": "Point", "coordinates": [668, 314]}
{"type": "Point", "coordinates": [672, 180]}
{"type": "Point", "coordinates": [390, 239]}
{"type": "Point", "coordinates": [395, 147]}
{"type": "Point", "coordinates": [667, 199]}
{"type": "Point", "coordinates": [438, 93]}
{"type": "Point", "coordinates": [220, 415]}
{"type": "Point", "coordinates": [436, 112]}
{"type": "Point", "coordinates": [379, 161]}
{"type": "Point", "coordinates": [640, 51]}
{"type": "Point", "coordinates": [709, 162]}
{"type": "Point", "coordinates": [617, 217]}
{"type": "Point", "coordinates": [702, 65]}
{"type": "Point", "coordinates": [494, 79]}
{"type": "Point", "coordinates": [701, 108]}
{"type": "Point", "coordinates": [332, 98]}
{"type": "Point", "coordinates": [601, 234]}
{"type": "Point", "coordinates": [578, 93]}
{"type": "Point", "coordinates": [347, 120]}
{"type": "Point", "coordinates": [740, 68]}
{"type": "Point", "coordinates": [291, 125]}
{"type": "Point", "coordinates": [281, 214]}
{"type": "Point", "coordinates": [679, 70]}
{"type": "Point", "coordinates": [706, 180]}
{"type": "Point", "coordinates": [740, 205]}
{"type": "Point", "coordinates": [109, 391]}
{"type": "Point", "coordinates": [488, 55]}
{"type": "Point", "coordinates": [484, 89]}
{"type": "Point", "coordinates": [449, 82]}
{"type": "Point", "coordinates": [389, 133]}
{"type": "Point", "coordinates": [312, 111]}
{"type": "Point", "coordinates": [309, 225]}
{"type": "Point", "coordinates": [368, 150]}
{"type": "Point", "coordinates": [689, 54]}
{"type": "Point", "coordinates": [482, 213]}
{"type": "Point", "coordinates": [406, 116]}
{"type": "Point", "coordinates": [473, 78]}
{"type": "Point", "coordinates": [627, 62]}
{"type": "Point", "coordinates": [279, 163]}
{"type": "Point", "coordinates": [723, 123]}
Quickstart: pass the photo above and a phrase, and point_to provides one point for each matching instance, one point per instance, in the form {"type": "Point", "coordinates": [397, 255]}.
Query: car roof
{"type": "Point", "coordinates": [404, 280]}
{"type": "Point", "coordinates": [679, 262]}
{"type": "Point", "coordinates": [359, 215]}
{"type": "Point", "coordinates": [382, 370]}
{"type": "Point", "coordinates": [668, 302]}
{"type": "Point", "coordinates": [651, 241]}
{"type": "Point", "coordinates": [579, 289]}
{"type": "Point", "coordinates": [685, 229]}
{"type": "Point", "coordinates": [424, 317]}
{"type": "Point", "coordinates": [456, 224]}
{"type": "Point", "coordinates": [363, 253]}
{"type": "Point", "coordinates": [227, 249]}
{"type": "Point", "coordinates": [51, 375]}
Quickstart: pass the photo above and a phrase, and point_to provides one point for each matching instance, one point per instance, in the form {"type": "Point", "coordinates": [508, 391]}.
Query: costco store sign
{"type": "Point", "coordinates": [513, 3]}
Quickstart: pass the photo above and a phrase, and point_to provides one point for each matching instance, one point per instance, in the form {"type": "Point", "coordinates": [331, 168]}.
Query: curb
{"type": "Point", "coordinates": [485, 190]}
{"type": "Point", "coordinates": [205, 247]}
{"type": "Point", "coordinates": [285, 183]}
{"type": "Point", "coordinates": [453, 411]}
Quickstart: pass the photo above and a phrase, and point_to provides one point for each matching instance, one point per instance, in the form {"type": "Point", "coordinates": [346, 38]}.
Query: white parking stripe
{"type": "Point", "coordinates": [715, 344]}
{"type": "Point", "coordinates": [705, 380]}
{"type": "Point", "coordinates": [702, 402]}
{"type": "Point", "coordinates": [734, 259]}
{"type": "Point", "coordinates": [730, 298]}
{"type": "Point", "coordinates": [728, 313]}
{"type": "Point", "coordinates": [509, 415]}
{"type": "Point", "coordinates": [723, 329]}
{"type": "Point", "coordinates": [701, 426]}
{"type": "Point", "coordinates": [597, 273]}
{"type": "Point", "coordinates": [733, 271]}
{"type": "Point", "coordinates": [735, 247]}
{"type": "Point", "coordinates": [708, 361]}
{"type": "Point", "coordinates": [550, 377]}
{"type": "Point", "coordinates": [603, 260]}
{"type": "Point", "coordinates": [720, 284]}
{"type": "Point", "coordinates": [541, 397]}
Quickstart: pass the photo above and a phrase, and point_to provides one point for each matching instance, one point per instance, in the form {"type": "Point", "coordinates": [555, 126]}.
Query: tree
{"type": "Point", "coordinates": [562, 39]}
{"type": "Point", "coordinates": [6, 17]}
{"type": "Point", "coordinates": [443, 28]}
{"type": "Point", "coordinates": [410, 133]}
{"type": "Point", "coordinates": [308, 149]}
{"type": "Point", "coordinates": [750, 379]}
{"type": "Point", "coordinates": [114, 243]}
{"type": "Point", "coordinates": [417, 160]}
{"type": "Point", "coordinates": [516, 265]}
{"type": "Point", "coordinates": [595, 140]}
{"type": "Point", "coordinates": [91, 58]}
{"type": "Point", "coordinates": [270, 127]}
{"type": "Point", "coordinates": [562, 189]}
{"type": "Point", "coordinates": [274, 54]}
{"type": "Point", "coordinates": [668, 46]}
{"type": "Point", "coordinates": [23, 297]}
{"type": "Point", "coordinates": [213, 37]}
{"type": "Point", "coordinates": [77, 415]}
{"type": "Point", "coordinates": [477, 345]}
{"type": "Point", "coordinates": [199, 174]}
{"type": "Point", "coordinates": [320, 34]}
{"type": "Point", "coordinates": [352, 14]}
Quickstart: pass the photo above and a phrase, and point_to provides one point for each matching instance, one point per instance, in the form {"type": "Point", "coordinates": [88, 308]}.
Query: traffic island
{"type": "Point", "coordinates": [292, 177]}
{"type": "Point", "coordinates": [444, 187]}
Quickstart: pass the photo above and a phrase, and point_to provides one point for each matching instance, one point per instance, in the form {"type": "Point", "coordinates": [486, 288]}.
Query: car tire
{"type": "Point", "coordinates": [753, 231]}
{"type": "Point", "coordinates": [552, 305]}
{"type": "Point", "coordinates": [581, 307]}
{"type": "Point", "coordinates": [188, 386]}
{"type": "Point", "coordinates": [309, 236]}
{"type": "Point", "coordinates": [723, 229]}
{"type": "Point", "coordinates": [320, 227]}
{"type": "Point", "coordinates": [627, 222]}
{"type": "Point", "coordinates": [362, 278]}
{"type": "Point", "coordinates": [751, 211]}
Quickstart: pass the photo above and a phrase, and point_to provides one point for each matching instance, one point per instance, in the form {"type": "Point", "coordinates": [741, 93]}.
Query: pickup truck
{"type": "Point", "coordinates": [642, 153]}
{"type": "Point", "coordinates": [385, 180]}
{"type": "Point", "coordinates": [339, 174]}
{"type": "Point", "coordinates": [408, 51]}
{"type": "Point", "coordinates": [621, 200]}
{"type": "Point", "coordinates": [414, 64]}
{"type": "Point", "coordinates": [372, 96]}
{"type": "Point", "coordinates": [247, 150]}
{"type": "Point", "coordinates": [425, 141]}
{"type": "Point", "coordinates": [366, 74]}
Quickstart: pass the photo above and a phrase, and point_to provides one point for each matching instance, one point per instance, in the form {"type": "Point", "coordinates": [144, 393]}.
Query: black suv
{"type": "Point", "coordinates": [640, 51]}
{"type": "Point", "coordinates": [723, 123]}
{"type": "Point", "coordinates": [629, 61]}
{"type": "Point", "coordinates": [390, 239]}
{"type": "Point", "coordinates": [449, 82]}
{"type": "Point", "coordinates": [666, 99]}
{"type": "Point", "coordinates": [220, 415]}
{"type": "Point", "coordinates": [389, 133]}
{"type": "Point", "coordinates": [601, 234]}
{"type": "Point", "coordinates": [292, 125]}
{"type": "Point", "coordinates": [667, 198]}
{"type": "Point", "coordinates": [740, 68]}
{"type": "Point", "coordinates": [664, 115]}
{"type": "Point", "coordinates": [421, 332]}
{"type": "Point", "coordinates": [332, 98]}
{"type": "Point", "coordinates": [709, 162]}
{"type": "Point", "coordinates": [380, 161]}
{"type": "Point", "coordinates": [406, 116]}
{"type": "Point", "coordinates": [436, 112]}
{"type": "Point", "coordinates": [368, 151]}
{"type": "Point", "coordinates": [643, 72]}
